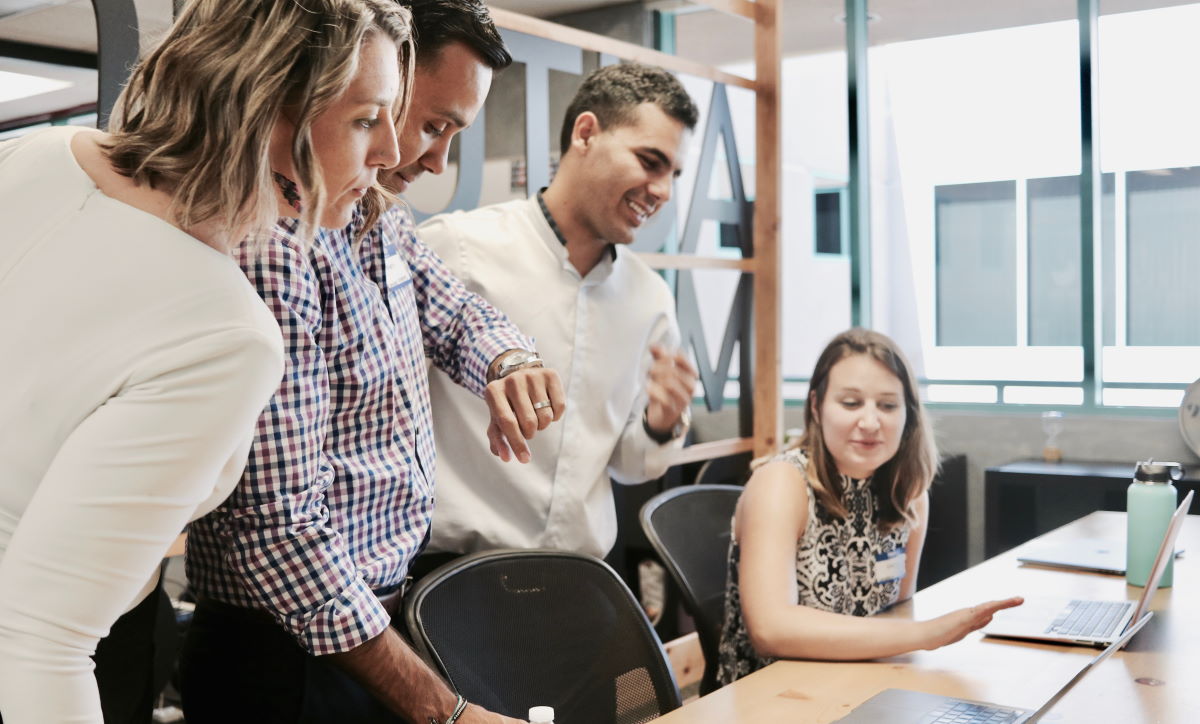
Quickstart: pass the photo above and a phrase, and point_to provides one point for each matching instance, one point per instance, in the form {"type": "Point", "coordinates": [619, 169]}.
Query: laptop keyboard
{"type": "Point", "coordinates": [964, 712]}
{"type": "Point", "coordinates": [1089, 618]}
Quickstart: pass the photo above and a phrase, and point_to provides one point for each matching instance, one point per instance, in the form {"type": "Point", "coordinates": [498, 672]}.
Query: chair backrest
{"type": "Point", "coordinates": [689, 529]}
{"type": "Point", "coordinates": [728, 470]}
{"type": "Point", "coordinates": [513, 629]}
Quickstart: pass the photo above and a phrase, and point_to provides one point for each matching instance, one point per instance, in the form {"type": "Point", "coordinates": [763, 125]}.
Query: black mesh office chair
{"type": "Point", "coordinates": [729, 470]}
{"type": "Point", "coordinates": [689, 528]}
{"type": "Point", "coordinates": [519, 628]}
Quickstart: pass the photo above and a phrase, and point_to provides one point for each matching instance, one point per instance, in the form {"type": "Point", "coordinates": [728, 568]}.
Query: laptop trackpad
{"type": "Point", "coordinates": [1030, 618]}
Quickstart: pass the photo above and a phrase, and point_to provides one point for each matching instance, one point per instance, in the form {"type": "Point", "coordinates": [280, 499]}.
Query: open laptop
{"type": "Point", "coordinates": [1087, 623]}
{"type": "Point", "coordinates": [900, 706]}
{"type": "Point", "coordinates": [1093, 555]}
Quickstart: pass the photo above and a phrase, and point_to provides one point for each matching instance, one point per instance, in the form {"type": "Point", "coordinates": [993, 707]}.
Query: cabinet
{"type": "Point", "coordinates": [1026, 498]}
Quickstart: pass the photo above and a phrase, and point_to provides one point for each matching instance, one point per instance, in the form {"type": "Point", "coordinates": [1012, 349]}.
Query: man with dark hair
{"type": "Point", "coordinates": [613, 93]}
{"type": "Point", "coordinates": [458, 48]}
{"type": "Point", "coordinates": [299, 573]}
{"type": "Point", "coordinates": [556, 264]}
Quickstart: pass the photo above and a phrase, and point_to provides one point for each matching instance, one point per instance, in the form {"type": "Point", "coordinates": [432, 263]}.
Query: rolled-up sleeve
{"type": "Point", "coordinates": [463, 333]}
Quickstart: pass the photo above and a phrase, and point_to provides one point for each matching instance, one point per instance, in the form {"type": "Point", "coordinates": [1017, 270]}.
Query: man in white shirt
{"type": "Point", "coordinates": [556, 265]}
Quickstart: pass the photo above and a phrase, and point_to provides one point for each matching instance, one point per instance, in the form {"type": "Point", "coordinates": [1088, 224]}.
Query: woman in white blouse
{"type": "Point", "coordinates": [136, 356]}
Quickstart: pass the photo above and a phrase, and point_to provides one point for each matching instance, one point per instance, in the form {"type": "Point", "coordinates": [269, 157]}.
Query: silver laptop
{"type": "Point", "coordinates": [1094, 555]}
{"type": "Point", "coordinates": [1088, 623]}
{"type": "Point", "coordinates": [900, 706]}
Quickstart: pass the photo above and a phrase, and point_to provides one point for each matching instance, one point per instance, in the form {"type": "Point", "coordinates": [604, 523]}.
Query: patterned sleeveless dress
{"type": "Point", "coordinates": [835, 569]}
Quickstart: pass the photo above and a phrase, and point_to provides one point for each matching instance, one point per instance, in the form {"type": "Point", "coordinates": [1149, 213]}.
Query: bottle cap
{"type": "Point", "coordinates": [541, 715]}
{"type": "Point", "coordinates": [1155, 472]}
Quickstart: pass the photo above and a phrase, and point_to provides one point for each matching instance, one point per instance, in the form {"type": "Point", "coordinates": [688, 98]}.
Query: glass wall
{"type": "Point", "coordinates": [1149, 116]}
{"type": "Point", "coordinates": [971, 132]}
{"type": "Point", "coordinates": [815, 295]}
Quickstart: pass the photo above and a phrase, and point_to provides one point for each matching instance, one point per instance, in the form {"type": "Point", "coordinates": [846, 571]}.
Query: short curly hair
{"type": "Point", "coordinates": [612, 92]}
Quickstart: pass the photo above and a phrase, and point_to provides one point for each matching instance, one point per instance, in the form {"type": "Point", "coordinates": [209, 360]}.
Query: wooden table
{"type": "Point", "coordinates": [1155, 679]}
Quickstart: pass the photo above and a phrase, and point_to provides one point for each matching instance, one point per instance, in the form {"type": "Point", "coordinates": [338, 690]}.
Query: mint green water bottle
{"type": "Point", "coordinates": [1151, 500]}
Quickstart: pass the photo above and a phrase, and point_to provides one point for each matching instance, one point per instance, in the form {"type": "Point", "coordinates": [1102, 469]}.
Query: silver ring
{"type": "Point", "coordinates": [540, 405]}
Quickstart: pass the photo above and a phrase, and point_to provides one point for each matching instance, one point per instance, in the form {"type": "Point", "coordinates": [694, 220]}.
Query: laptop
{"type": "Point", "coordinates": [1082, 622]}
{"type": "Point", "coordinates": [1093, 555]}
{"type": "Point", "coordinates": [900, 706]}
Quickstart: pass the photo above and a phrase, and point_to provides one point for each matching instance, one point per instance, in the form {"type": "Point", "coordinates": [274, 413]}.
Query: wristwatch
{"type": "Point", "coordinates": [515, 360]}
{"type": "Point", "coordinates": [685, 419]}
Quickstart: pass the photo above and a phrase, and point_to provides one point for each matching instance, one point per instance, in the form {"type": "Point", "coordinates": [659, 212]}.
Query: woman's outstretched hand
{"type": "Point", "coordinates": [957, 624]}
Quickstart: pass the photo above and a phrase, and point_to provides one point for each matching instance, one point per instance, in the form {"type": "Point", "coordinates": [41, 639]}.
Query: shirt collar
{"type": "Point", "coordinates": [612, 248]}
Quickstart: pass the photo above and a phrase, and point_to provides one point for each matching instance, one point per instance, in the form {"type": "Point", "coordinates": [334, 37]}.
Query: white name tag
{"type": "Point", "coordinates": [395, 269]}
{"type": "Point", "coordinates": [889, 566]}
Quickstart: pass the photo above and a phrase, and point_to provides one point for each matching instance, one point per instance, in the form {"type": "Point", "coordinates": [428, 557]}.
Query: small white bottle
{"type": "Point", "coordinates": [541, 715]}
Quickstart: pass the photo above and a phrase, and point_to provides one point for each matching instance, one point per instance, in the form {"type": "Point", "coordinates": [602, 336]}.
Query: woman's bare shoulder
{"type": "Point", "coordinates": [776, 491]}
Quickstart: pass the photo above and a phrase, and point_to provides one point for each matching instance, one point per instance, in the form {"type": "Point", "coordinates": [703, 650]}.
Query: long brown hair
{"type": "Point", "coordinates": [196, 117]}
{"type": "Point", "coordinates": [907, 475]}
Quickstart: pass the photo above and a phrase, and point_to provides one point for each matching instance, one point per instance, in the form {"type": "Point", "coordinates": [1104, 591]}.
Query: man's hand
{"type": "Point", "coordinates": [388, 668]}
{"type": "Point", "coordinates": [672, 380]}
{"type": "Point", "coordinates": [518, 406]}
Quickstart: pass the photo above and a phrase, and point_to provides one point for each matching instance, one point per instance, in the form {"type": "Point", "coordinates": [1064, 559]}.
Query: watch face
{"type": "Point", "coordinates": [515, 360]}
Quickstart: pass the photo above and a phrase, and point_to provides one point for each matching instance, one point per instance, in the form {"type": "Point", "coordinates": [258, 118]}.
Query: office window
{"type": "Point", "coordinates": [1148, 139]}
{"type": "Point", "coordinates": [827, 212]}
{"type": "Point", "coordinates": [1053, 238]}
{"type": "Point", "coordinates": [1164, 257]}
{"type": "Point", "coordinates": [976, 264]}
{"type": "Point", "coordinates": [960, 123]}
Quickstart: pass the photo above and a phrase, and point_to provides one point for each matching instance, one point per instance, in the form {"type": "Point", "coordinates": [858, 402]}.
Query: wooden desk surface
{"type": "Point", "coordinates": [1166, 652]}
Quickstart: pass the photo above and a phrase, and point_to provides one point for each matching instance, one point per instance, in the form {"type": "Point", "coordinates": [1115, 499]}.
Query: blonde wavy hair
{"type": "Point", "coordinates": [908, 474]}
{"type": "Point", "coordinates": [197, 115]}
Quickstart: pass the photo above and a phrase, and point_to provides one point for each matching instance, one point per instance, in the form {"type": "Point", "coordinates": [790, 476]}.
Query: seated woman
{"type": "Point", "coordinates": [830, 532]}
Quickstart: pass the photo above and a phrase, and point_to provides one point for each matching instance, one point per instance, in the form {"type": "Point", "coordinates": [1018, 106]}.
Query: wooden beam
{"type": "Point", "coordinates": [177, 547]}
{"type": "Point", "coordinates": [768, 374]}
{"type": "Point", "coordinates": [50, 117]}
{"type": "Point", "coordinates": [600, 44]}
{"type": "Point", "coordinates": [687, 661]}
{"type": "Point", "coordinates": [714, 449]}
{"type": "Point", "coordinates": [741, 8]}
{"type": "Point", "coordinates": [688, 261]}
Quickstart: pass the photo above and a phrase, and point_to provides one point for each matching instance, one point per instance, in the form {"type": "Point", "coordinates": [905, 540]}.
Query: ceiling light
{"type": "Point", "coordinates": [19, 85]}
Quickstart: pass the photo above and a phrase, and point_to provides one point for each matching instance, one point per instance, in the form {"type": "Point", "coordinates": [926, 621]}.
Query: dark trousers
{"type": "Point", "coordinates": [425, 564]}
{"type": "Point", "coordinates": [239, 665]}
{"type": "Point", "coordinates": [125, 664]}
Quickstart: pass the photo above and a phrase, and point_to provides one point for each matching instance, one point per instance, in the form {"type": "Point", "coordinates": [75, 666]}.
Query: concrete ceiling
{"type": "Point", "coordinates": [71, 24]}
{"type": "Point", "coordinates": [809, 26]}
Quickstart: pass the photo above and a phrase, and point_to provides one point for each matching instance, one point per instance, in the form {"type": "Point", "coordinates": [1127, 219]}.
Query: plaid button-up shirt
{"type": "Point", "coordinates": [338, 492]}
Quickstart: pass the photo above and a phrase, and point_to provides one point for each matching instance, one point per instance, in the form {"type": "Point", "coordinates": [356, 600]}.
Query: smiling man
{"type": "Point", "coordinates": [558, 266]}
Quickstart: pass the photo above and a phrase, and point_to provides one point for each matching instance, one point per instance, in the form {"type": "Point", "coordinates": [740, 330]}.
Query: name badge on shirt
{"type": "Point", "coordinates": [889, 566]}
{"type": "Point", "coordinates": [395, 269]}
